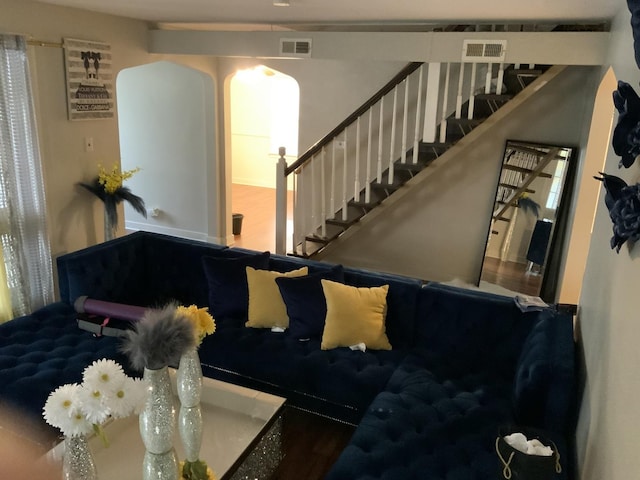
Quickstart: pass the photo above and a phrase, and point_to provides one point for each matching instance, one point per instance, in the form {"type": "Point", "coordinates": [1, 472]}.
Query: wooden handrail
{"type": "Point", "coordinates": [306, 156]}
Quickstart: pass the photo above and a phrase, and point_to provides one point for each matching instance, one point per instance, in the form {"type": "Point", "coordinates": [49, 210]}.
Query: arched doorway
{"type": "Point", "coordinates": [263, 115]}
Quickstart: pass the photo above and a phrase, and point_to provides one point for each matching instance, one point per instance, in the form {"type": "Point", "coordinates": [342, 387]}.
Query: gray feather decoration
{"type": "Point", "coordinates": [159, 339]}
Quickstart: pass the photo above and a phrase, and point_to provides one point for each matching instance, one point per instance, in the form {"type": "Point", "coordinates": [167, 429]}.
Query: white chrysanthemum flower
{"type": "Point", "coordinates": [77, 425]}
{"type": "Point", "coordinates": [123, 401]}
{"type": "Point", "coordinates": [104, 375]}
{"type": "Point", "coordinates": [61, 405]}
{"type": "Point", "coordinates": [92, 402]}
{"type": "Point", "coordinates": [139, 392]}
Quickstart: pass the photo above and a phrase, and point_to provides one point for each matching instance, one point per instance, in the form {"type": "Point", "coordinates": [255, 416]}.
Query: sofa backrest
{"type": "Point", "coordinates": [150, 269]}
{"type": "Point", "coordinates": [472, 330]}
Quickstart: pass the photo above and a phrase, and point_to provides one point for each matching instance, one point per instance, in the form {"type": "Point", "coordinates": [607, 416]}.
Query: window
{"type": "Point", "coordinates": [26, 279]}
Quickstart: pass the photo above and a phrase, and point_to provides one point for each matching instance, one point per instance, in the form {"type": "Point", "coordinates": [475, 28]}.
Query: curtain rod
{"type": "Point", "coordinates": [40, 43]}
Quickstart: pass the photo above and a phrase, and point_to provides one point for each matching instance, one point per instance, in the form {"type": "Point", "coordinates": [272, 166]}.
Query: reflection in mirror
{"type": "Point", "coordinates": [527, 219]}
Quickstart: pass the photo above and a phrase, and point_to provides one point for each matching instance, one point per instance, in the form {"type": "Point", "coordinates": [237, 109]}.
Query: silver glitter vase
{"type": "Point", "coordinates": [77, 463]}
{"type": "Point", "coordinates": [157, 428]}
{"type": "Point", "coordinates": [189, 387]}
{"type": "Point", "coordinates": [109, 226]}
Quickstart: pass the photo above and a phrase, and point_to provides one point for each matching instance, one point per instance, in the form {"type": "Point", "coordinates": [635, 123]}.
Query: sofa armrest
{"type": "Point", "coordinates": [545, 376]}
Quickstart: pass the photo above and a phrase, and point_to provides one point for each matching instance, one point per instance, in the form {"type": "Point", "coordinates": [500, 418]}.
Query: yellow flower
{"type": "Point", "coordinates": [112, 181]}
{"type": "Point", "coordinates": [203, 322]}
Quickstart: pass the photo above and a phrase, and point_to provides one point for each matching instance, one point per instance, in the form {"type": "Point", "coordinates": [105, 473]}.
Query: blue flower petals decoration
{"type": "Point", "coordinates": [626, 135]}
{"type": "Point", "coordinates": [623, 203]}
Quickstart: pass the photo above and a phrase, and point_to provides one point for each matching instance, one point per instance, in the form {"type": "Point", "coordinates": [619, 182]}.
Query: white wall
{"type": "Point", "coordinates": [166, 115]}
{"type": "Point", "coordinates": [76, 217]}
{"type": "Point", "coordinates": [607, 436]}
{"type": "Point", "coordinates": [439, 232]}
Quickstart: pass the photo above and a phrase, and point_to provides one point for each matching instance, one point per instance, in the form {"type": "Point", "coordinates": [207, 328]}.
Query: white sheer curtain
{"type": "Point", "coordinates": [26, 281]}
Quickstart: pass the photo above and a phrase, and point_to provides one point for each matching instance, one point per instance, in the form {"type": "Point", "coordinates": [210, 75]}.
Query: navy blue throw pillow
{"type": "Point", "coordinates": [305, 301]}
{"type": "Point", "coordinates": [227, 282]}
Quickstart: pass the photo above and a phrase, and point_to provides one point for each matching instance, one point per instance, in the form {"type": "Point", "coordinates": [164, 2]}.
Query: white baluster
{"type": "Point", "coordinates": [445, 105]}
{"type": "Point", "coordinates": [380, 142]}
{"type": "Point", "coordinates": [459, 97]}
{"type": "Point", "coordinates": [405, 121]}
{"type": "Point", "coordinates": [314, 198]}
{"type": "Point", "coordinates": [432, 94]}
{"type": "Point", "coordinates": [356, 183]}
{"type": "Point", "coordinates": [294, 231]}
{"type": "Point", "coordinates": [367, 187]}
{"type": "Point", "coordinates": [303, 212]}
{"type": "Point", "coordinates": [416, 132]}
{"type": "Point", "coordinates": [472, 91]}
{"type": "Point", "coordinates": [487, 79]}
{"type": "Point", "coordinates": [500, 79]}
{"type": "Point", "coordinates": [393, 135]}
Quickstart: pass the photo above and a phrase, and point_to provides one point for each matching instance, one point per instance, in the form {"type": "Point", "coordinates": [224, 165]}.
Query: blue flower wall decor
{"type": "Point", "coordinates": [623, 203]}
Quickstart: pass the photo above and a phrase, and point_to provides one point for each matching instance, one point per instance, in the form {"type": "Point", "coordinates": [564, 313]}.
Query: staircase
{"type": "Point", "coordinates": [364, 163]}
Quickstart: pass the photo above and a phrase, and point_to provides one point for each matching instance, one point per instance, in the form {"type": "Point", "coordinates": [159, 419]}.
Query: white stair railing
{"type": "Point", "coordinates": [319, 195]}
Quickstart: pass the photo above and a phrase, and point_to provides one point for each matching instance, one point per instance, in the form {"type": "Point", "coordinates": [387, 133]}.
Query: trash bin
{"type": "Point", "coordinates": [237, 223]}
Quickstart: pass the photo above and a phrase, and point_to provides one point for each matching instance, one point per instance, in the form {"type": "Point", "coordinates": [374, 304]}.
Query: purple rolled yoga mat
{"type": "Point", "coordinates": [120, 311]}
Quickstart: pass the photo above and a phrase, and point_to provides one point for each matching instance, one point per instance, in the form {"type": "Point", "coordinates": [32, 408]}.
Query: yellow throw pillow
{"type": "Point", "coordinates": [355, 315]}
{"type": "Point", "coordinates": [266, 307]}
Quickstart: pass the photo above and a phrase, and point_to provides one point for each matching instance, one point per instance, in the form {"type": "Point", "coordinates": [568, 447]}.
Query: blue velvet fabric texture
{"type": "Point", "coordinates": [43, 351]}
{"type": "Point", "coordinates": [306, 303]}
{"type": "Point", "coordinates": [227, 282]}
{"type": "Point", "coordinates": [345, 381]}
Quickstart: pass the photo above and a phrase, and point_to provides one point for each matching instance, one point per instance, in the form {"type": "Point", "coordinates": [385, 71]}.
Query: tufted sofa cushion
{"type": "Point", "coordinates": [44, 350]}
{"type": "Point", "coordinates": [340, 383]}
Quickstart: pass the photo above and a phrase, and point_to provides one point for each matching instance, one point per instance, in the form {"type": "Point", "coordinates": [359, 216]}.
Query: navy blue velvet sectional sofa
{"type": "Point", "coordinates": [463, 363]}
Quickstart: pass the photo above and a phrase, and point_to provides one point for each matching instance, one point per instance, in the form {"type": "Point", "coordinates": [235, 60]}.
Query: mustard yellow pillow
{"type": "Point", "coordinates": [355, 315]}
{"type": "Point", "coordinates": [266, 307]}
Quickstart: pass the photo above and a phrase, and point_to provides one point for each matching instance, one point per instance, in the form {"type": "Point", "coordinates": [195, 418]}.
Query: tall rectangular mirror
{"type": "Point", "coordinates": [528, 221]}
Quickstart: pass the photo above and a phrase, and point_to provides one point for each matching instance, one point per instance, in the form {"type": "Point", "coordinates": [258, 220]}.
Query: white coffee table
{"type": "Point", "coordinates": [241, 436]}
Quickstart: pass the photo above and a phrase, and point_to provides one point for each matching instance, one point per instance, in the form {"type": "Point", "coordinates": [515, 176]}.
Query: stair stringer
{"type": "Point", "coordinates": [423, 177]}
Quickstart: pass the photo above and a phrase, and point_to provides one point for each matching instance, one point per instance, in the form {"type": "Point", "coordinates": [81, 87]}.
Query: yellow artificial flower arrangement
{"type": "Point", "coordinates": [112, 181]}
{"type": "Point", "coordinates": [203, 322]}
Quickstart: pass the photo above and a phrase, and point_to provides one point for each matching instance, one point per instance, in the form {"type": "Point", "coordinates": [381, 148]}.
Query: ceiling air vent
{"type": "Point", "coordinates": [484, 50]}
{"type": "Point", "coordinates": [295, 47]}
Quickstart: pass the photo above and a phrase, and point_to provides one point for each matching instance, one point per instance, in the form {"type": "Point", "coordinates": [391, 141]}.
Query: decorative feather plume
{"type": "Point", "coordinates": [159, 339]}
{"type": "Point", "coordinates": [529, 205]}
{"type": "Point", "coordinates": [111, 200]}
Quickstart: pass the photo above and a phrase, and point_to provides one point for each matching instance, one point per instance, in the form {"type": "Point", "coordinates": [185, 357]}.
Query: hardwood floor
{"type": "Point", "coordinates": [311, 444]}
{"type": "Point", "coordinates": [511, 275]}
{"type": "Point", "coordinates": [258, 206]}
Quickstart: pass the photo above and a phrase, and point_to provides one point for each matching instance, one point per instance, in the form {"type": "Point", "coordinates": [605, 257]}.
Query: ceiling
{"type": "Point", "coordinates": [355, 12]}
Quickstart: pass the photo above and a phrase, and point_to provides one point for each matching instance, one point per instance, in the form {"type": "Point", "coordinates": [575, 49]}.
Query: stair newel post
{"type": "Point", "coordinates": [356, 182]}
{"type": "Point", "coordinates": [294, 232]}
{"type": "Point", "coordinates": [393, 135]}
{"type": "Point", "coordinates": [416, 131]}
{"type": "Point", "coordinates": [472, 90]}
{"type": "Point", "coordinates": [405, 121]}
{"type": "Point", "coordinates": [380, 142]}
{"type": "Point", "coordinates": [445, 104]}
{"type": "Point", "coordinates": [332, 198]}
{"type": "Point", "coordinates": [323, 190]}
{"type": "Point", "coordinates": [459, 96]}
{"type": "Point", "coordinates": [281, 202]}
{"type": "Point", "coordinates": [344, 177]}
{"type": "Point", "coordinates": [301, 208]}
{"type": "Point", "coordinates": [431, 95]}
{"type": "Point", "coordinates": [367, 188]}
{"type": "Point", "coordinates": [314, 196]}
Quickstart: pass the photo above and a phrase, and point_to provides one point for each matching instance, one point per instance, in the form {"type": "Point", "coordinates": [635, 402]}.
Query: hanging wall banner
{"type": "Point", "coordinates": [89, 79]}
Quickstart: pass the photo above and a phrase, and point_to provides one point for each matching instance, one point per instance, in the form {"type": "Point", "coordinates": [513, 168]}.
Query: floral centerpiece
{"type": "Point", "coordinates": [108, 187]}
{"type": "Point", "coordinates": [203, 322]}
{"type": "Point", "coordinates": [105, 392]}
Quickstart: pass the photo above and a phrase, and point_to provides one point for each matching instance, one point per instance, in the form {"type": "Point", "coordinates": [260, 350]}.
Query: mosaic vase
{"type": "Point", "coordinates": [157, 428]}
{"type": "Point", "coordinates": [109, 226]}
{"type": "Point", "coordinates": [189, 387]}
{"type": "Point", "coordinates": [77, 463]}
